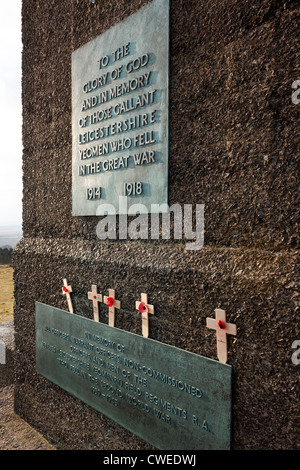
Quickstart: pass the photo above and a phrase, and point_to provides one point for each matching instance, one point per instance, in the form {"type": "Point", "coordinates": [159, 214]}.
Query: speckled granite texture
{"type": "Point", "coordinates": [234, 148]}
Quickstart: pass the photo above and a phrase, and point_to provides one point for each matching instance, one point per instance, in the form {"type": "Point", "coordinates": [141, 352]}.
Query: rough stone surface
{"type": "Point", "coordinates": [233, 147]}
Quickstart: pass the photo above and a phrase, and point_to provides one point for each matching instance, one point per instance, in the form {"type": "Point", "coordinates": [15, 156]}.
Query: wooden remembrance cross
{"type": "Point", "coordinates": [96, 298]}
{"type": "Point", "coordinates": [145, 309]}
{"type": "Point", "coordinates": [223, 329]}
{"type": "Point", "coordinates": [112, 304]}
{"type": "Point", "coordinates": [66, 291]}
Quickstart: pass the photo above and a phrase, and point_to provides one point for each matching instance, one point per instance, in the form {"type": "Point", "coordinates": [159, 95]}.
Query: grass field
{"type": "Point", "coordinates": [6, 293]}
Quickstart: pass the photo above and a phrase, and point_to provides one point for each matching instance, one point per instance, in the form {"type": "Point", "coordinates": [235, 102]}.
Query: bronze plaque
{"type": "Point", "coordinates": [171, 398]}
{"type": "Point", "coordinates": [120, 116]}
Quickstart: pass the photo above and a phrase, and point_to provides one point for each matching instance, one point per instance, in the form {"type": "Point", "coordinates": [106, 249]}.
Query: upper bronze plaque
{"type": "Point", "coordinates": [120, 114]}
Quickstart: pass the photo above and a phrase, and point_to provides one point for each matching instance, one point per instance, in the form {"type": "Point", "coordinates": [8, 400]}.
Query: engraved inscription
{"type": "Point", "coordinates": [93, 193]}
{"type": "Point", "coordinates": [142, 384]}
{"type": "Point", "coordinates": [120, 112]}
{"type": "Point", "coordinates": [119, 375]}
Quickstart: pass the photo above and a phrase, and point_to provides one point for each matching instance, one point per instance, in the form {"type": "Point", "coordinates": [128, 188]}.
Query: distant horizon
{"type": "Point", "coordinates": [11, 224]}
{"type": "Point", "coordinates": [10, 235]}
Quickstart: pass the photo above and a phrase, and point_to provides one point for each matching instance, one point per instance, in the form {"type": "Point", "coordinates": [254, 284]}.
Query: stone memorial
{"type": "Point", "coordinates": [156, 283]}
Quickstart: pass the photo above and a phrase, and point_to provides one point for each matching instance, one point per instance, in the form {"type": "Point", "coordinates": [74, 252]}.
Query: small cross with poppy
{"type": "Point", "coordinates": [144, 308]}
{"type": "Point", "coordinates": [66, 289]}
{"type": "Point", "coordinates": [223, 329]}
{"type": "Point", "coordinates": [112, 304]}
{"type": "Point", "coordinates": [96, 298]}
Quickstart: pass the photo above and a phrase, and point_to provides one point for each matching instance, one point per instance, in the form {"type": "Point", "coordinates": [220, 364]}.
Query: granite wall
{"type": "Point", "coordinates": [234, 148]}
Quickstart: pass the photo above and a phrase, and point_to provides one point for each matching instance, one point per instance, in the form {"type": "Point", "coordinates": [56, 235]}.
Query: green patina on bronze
{"type": "Point", "coordinates": [171, 398]}
{"type": "Point", "coordinates": [120, 115]}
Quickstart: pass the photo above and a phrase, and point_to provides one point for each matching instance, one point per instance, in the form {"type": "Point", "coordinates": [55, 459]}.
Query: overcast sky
{"type": "Point", "coordinates": [11, 113]}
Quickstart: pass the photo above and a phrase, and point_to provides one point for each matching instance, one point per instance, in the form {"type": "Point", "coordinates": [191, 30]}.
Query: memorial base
{"type": "Point", "coordinates": [185, 288]}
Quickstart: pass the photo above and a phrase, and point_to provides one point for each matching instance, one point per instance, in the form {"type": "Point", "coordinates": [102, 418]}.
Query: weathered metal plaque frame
{"type": "Point", "coordinates": [120, 116]}
{"type": "Point", "coordinates": [171, 398]}
{"type": "Point", "coordinates": [2, 353]}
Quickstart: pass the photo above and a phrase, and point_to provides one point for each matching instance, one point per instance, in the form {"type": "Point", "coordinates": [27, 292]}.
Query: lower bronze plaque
{"type": "Point", "coordinates": [169, 397]}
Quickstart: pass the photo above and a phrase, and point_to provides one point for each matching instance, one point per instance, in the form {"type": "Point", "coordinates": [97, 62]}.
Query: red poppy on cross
{"type": "Point", "coordinates": [143, 308]}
